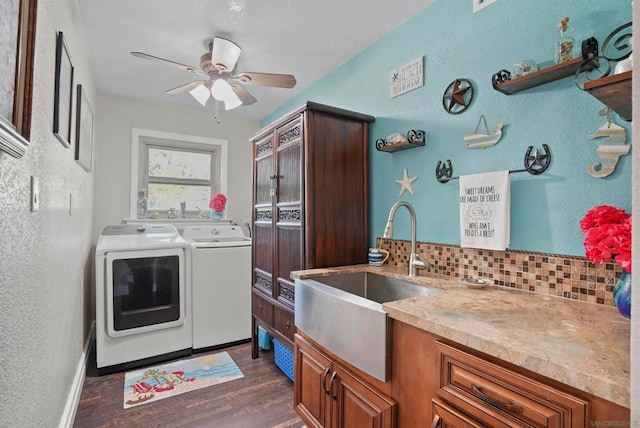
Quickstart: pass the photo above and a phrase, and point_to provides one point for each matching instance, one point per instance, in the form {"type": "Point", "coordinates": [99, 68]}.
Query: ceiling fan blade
{"type": "Point", "coordinates": [190, 68]}
{"type": "Point", "coordinates": [266, 79]}
{"type": "Point", "coordinates": [224, 54]}
{"type": "Point", "coordinates": [186, 87]}
{"type": "Point", "coordinates": [243, 94]}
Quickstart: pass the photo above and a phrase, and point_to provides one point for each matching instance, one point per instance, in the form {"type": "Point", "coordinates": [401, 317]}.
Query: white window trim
{"type": "Point", "coordinates": [137, 140]}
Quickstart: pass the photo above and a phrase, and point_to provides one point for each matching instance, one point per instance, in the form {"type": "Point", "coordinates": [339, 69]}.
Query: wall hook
{"type": "Point", "coordinates": [537, 163]}
{"type": "Point", "coordinates": [444, 173]}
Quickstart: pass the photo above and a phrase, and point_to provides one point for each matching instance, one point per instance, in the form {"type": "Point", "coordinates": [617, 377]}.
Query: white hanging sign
{"type": "Point", "coordinates": [406, 78]}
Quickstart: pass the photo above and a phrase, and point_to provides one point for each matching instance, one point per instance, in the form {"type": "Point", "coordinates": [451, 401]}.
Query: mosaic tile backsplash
{"type": "Point", "coordinates": [565, 276]}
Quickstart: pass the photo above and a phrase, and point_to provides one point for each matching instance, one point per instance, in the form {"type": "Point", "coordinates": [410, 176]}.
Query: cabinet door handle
{"type": "Point", "coordinates": [333, 377]}
{"type": "Point", "coordinates": [436, 421]}
{"type": "Point", "coordinates": [510, 407]}
{"type": "Point", "coordinates": [324, 380]}
{"type": "Point", "coordinates": [288, 324]}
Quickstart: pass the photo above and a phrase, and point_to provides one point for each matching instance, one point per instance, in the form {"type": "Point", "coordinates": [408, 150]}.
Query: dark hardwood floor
{"type": "Point", "coordinates": [262, 398]}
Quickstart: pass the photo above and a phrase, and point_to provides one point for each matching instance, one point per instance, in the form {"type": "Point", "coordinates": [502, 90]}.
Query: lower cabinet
{"type": "Point", "coordinates": [441, 384]}
{"type": "Point", "coordinates": [499, 397]}
{"type": "Point", "coordinates": [327, 394]}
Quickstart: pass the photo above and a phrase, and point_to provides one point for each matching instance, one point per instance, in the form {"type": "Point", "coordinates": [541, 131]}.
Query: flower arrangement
{"type": "Point", "coordinates": [218, 202]}
{"type": "Point", "coordinates": [608, 235]}
{"type": "Point", "coordinates": [563, 25]}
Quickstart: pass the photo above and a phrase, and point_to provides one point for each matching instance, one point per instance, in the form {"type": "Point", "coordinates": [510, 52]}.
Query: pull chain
{"type": "Point", "coordinates": [217, 112]}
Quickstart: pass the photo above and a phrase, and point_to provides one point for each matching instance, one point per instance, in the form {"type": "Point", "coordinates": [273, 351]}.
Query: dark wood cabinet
{"type": "Point", "coordinates": [328, 394]}
{"type": "Point", "coordinates": [310, 205]}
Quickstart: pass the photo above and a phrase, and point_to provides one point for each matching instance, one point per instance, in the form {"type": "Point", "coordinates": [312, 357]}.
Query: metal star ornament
{"type": "Point", "coordinates": [458, 96]}
{"type": "Point", "coordinates": [405, 183]}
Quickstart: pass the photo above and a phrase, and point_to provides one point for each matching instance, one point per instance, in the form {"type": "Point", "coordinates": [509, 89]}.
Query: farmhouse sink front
{"type": "Point", "coordinates": [344, 314]}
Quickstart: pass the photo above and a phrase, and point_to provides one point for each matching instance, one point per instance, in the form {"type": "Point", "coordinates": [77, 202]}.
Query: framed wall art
{"type": "Point", "coordinates": [17, 44]}
{"type": "Point", "coordinates": [84, 130]}
{"type": "Point", "coordinates": [63, 93]}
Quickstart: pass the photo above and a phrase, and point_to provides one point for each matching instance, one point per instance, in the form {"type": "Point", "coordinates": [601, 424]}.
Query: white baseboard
{"type": "Point", "coordinates": [69, 413]}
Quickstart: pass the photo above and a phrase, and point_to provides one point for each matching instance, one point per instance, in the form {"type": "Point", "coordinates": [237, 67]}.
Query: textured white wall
{"type": "Point", "coordinates": [45, 256]}
{"type": "Point", "coordinates": [118, 115]}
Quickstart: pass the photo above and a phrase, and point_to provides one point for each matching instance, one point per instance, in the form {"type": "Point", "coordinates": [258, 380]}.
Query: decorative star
{"type": "Point", "coordinates": [458, 93]}
{"type": "Point", "coordinates": [405, 183]}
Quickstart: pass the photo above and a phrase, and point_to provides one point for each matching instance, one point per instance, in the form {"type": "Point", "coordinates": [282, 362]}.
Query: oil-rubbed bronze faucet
{"type": "Point", "coordinates": [415, 261]}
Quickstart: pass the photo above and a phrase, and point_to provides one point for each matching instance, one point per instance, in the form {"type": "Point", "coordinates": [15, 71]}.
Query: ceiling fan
{"type": "Point", "coordinates": [223, 82]}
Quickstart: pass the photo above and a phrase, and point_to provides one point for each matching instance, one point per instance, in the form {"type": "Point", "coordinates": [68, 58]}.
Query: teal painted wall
{"type": "Point", "coordinates": [455, 42]}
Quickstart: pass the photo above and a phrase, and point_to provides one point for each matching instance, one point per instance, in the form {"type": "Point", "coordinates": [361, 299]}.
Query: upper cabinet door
{"type": "Point", "coordinates": [264, 171]}
{"type": "Point", "coordinates": [289, 162]}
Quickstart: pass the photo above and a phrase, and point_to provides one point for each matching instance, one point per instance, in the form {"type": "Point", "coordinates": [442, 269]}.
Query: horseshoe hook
{"type": "Point", "coordinates": [444, 171]}
{"type": "Point", "coordinates": [537, 163]}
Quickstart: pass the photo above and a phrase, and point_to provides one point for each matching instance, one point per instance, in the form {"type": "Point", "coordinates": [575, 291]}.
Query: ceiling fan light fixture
{"type": "Point", "coordinates": [225, 54]}
{"type": "Point", "coordinates": [201, 94]}
{"type": "Point", "coordinates": [222, 91]}
{"type": "Point", "coordinates": [232, 103]}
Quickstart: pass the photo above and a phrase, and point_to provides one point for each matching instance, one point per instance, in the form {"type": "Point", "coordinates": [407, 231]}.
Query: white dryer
{"type": "Point", "coordinates": [143, 295]}
{"type": "Point", "coordinates": [221, 284]}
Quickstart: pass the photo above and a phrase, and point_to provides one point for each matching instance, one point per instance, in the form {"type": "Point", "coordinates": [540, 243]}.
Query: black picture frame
{"type": "Point", "coordinates": [63, 93]}
{"type": "Point", "coordinates": [17, 85]}
{"type": "Point", "coordinates": [84, 130]}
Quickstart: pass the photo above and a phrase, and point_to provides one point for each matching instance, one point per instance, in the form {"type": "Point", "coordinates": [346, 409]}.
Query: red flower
{"type": "Point", "coordinates": [608, 239]}
{"type": "Point", "coordinates": [218, 202]}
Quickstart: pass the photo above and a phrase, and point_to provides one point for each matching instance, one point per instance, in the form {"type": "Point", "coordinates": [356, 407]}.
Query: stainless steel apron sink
{"type": "Point", "coordinates": [344, 314]}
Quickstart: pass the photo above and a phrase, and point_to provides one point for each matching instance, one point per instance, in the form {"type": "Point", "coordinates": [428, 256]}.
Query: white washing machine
{"type": "Point", "coordinates": [143, 295]}
{"type": "Point", "coordinates": [221, 284]}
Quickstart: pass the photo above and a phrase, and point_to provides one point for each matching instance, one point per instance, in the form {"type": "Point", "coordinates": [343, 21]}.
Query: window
{"type": "Point", "coordinates": [173, 168]}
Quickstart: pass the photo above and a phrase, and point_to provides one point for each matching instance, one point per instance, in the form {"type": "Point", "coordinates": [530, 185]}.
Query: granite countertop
{"type": "Point", "coordinates": [583, 345]}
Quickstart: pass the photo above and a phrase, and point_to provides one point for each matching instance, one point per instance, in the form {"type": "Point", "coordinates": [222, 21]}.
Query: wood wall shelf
{"type": "Point", "coordinates": [614, 92]}
{"type": "Point", "coordinates": [415, 138]}
{"type": "Point", "coordinates": [400, 146]}
{"type": "Point", "coordinates": [540, 77]}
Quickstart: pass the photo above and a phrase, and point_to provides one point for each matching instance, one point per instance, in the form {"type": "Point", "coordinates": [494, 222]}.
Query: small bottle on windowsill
{"type": "Point", "coordinates": [142, 203]}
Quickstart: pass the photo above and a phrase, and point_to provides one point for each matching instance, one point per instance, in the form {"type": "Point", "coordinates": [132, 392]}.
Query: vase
{"type": "Point", "coordinates": [622, 294]}
{"type": "Point", "coordinates": [215, 214]}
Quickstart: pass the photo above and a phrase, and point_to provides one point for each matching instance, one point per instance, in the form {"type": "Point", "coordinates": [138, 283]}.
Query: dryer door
{"type": "Point", "coordinates": [145, 290]}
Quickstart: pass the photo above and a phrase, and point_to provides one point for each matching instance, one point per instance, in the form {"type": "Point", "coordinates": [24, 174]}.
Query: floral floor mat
{"type": "Point", "coordinates": [155, 383]}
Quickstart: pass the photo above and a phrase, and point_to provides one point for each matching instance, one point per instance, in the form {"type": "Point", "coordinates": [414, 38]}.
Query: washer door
{"type": "Point", "coordinates": [145, 290]}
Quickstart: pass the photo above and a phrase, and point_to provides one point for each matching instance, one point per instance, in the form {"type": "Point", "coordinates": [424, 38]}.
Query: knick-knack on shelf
{"type": "Point", "coordinates": [565, 44]}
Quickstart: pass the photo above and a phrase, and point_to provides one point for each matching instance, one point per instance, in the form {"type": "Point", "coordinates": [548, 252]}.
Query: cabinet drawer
{"type": "Point", "coordinates": [283, 322]}
{"type": "Point", "coordinates": [262, 309]}
{"type": "Point", "coordinates": [448, 417]}
{"type": "Point", "coordinates": [489, 392]}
